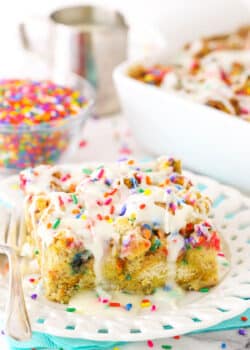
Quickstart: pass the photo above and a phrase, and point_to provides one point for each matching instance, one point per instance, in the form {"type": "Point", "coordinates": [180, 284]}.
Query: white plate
{"type": "Point", "coordinates": [181, 314]}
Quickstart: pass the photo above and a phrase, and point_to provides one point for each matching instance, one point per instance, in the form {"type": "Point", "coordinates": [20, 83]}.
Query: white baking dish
{"type": "Point", "coordinates": [207, 140]}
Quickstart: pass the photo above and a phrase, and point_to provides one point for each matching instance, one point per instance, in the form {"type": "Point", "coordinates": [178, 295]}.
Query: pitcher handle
{"type": "Point", "coordinates": [24, 37]}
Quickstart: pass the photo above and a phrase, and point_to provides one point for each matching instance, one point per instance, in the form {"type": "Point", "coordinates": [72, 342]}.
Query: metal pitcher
{"type": "Point", "coordinates": [89, 41]}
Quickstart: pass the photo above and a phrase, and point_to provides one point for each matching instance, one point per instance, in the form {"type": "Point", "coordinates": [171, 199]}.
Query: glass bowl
{"type": "Point", "coordinates": [25, 146]}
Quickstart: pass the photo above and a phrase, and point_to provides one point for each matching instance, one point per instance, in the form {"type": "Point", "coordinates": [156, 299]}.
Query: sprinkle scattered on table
{"type": "Point", "coordinates": [242, 331]}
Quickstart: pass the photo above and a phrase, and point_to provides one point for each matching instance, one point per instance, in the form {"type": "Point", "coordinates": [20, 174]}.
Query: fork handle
{"type": "Point", "coordinates": [17, 324]}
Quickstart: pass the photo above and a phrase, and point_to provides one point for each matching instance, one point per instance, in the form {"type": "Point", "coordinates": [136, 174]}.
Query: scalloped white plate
{"type": "Point", "coordinates": [176, 313]}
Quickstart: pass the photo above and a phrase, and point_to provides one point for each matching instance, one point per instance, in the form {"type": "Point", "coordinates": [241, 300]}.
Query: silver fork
{"type": "Point", "coordinates": [12, 236]}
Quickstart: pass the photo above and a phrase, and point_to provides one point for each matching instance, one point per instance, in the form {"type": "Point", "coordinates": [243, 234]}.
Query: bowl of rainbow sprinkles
{"type": "Point", "coordinates": [40, 119]}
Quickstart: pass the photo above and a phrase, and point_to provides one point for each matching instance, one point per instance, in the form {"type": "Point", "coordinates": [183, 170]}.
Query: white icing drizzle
{"type": "Point", "coordinates": [209, 82]}
{"type": "Point", "coordinates": [102, 197]}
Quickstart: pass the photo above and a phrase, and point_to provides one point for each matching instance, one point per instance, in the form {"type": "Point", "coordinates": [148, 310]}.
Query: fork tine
{"type": "Point", "coordinates": [5, 219]}
{"type": "Point", "coordinates": [22, 232]}
{"type": "Point", "coordinates": [12, 231]}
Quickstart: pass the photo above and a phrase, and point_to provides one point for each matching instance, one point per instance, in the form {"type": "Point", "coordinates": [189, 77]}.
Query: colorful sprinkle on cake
{"type": "Point", "coordinates": [120, 227]}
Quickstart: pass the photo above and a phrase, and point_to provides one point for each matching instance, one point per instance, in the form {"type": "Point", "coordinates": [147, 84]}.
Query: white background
{"type": "Point", "coordinates": [151, 18]}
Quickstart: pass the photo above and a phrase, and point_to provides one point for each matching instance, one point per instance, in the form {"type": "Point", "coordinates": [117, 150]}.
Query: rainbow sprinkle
{"type": "Point", "coordinates": [56, 223]}
{"type": "Point", "coordinates": [145, 303]}
{"type": "Point", "coordinates": [71, 309]}
{"type": "Point", "coordinates": [150, 343]}
{"type": "Point", "coordinates": [33, 116]}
